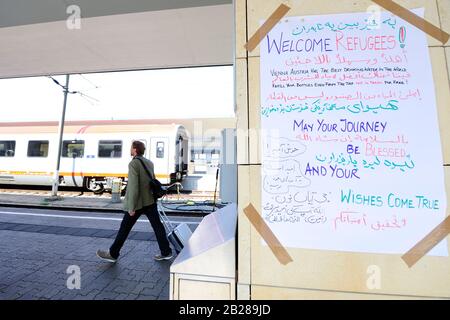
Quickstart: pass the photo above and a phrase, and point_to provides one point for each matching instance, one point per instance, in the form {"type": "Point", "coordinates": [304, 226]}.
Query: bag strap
{"type": "Point", "coordinates": [145, 168]}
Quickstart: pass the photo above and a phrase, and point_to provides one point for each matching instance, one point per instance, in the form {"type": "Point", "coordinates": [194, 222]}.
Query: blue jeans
{"type": "Point", "coordinates": [127, 224]}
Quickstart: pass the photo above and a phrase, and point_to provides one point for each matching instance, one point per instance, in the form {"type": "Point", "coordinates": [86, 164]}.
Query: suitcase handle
{"type": "Point", "coordinates": [164, 218]}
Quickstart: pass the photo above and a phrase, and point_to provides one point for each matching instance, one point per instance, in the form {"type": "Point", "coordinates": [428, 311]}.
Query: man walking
{"type": "Point", "coordinates": [138, 200]}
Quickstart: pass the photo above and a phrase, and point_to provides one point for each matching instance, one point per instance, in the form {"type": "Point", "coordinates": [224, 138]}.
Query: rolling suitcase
{"type": "Point", "coordinates": [178, 236]}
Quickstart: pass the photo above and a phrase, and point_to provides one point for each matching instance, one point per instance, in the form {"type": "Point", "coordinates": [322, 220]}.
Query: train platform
{"type": "Point", "coordinates": [69, 202]}
{"type": "Point", "coordinates": [43, 252]}
{"type": "Point", "coordinates": [174, 204]}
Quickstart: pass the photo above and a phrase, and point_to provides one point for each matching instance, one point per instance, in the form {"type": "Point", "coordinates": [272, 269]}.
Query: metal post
{"type": "Point", "coordinates": [60, 133]}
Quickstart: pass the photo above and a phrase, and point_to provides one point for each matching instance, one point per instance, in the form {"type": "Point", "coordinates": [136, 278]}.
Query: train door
{"type": "Point", "coordinates": [72, 155]}
{"type": "Point", "coordinates": [182, 157]}
{"type": "Point", "coordinates": [159, 154]}
{"type": "Point", "coordinates": [185, 155]}
{"type": "Point", "coordinates": [8, 160]}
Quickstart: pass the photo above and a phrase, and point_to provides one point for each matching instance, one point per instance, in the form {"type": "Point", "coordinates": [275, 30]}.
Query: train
{"type": "Point", "coordinates": [93, 153]}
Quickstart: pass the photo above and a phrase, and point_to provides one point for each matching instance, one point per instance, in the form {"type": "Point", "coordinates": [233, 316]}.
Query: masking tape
{"type": "Point", "coordinates": [426, 244]}
{"type": "Point", "coordinates": [414, 19]}
{"type": "Point", "coordinates": [276, 16]}
{"type": "Point", "coordinates": [263, 229]}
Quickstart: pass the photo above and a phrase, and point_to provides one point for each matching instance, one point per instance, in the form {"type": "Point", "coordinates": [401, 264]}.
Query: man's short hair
{"type": "Point", "coordinates": [139, 146]}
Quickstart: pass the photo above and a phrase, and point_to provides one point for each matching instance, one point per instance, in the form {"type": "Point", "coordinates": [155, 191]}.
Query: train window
{"type": "Point", "coordinates": [160, 149]}
{"type": "Point", "coordinates": [215, 154]}
{"type": "Point", "coordinates": [73, 148]}
{"type": "Point", "coordinates": [38, 148]}
{"type": "Point", "coordinates": [7, 148]}
{"type": "Point", "coordinates": [110, 149]}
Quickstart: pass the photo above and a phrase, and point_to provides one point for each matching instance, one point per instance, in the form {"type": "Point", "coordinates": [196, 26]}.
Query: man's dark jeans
{"type": "Point", "coordinates": [127, 224]}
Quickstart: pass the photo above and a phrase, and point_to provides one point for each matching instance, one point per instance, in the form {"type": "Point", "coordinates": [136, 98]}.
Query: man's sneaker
{"type": "Point", "coordinates": [104, 255]}
{"type": "Point", "coordinates": [160, 257]}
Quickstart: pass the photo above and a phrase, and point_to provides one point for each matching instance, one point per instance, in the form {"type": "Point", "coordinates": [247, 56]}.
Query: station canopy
{"type": "Point", "coordinates": [114, 35]}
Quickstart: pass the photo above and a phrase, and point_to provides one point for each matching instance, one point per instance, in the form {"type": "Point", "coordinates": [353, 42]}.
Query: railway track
{"type": "Point", "coordinates": [48, 192]}
{"type": "Point", "coordinates": [184, 196]}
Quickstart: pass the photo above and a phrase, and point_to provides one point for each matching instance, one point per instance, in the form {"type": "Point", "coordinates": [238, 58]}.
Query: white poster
{"type": "Point", "coordinates": [351, 153]}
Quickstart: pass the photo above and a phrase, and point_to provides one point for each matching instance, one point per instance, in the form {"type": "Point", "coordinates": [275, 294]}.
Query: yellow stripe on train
{"type": "Point", "coordinates": [76, 174]}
